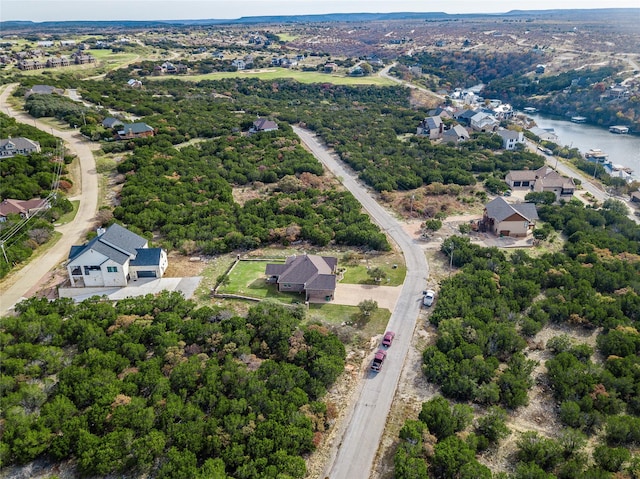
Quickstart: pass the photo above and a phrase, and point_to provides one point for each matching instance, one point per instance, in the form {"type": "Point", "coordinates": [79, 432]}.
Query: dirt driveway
{"type": "Point", "coordinates": [353, 294]}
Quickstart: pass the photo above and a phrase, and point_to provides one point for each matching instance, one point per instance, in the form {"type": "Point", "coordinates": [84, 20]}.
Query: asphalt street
{"type": "Point", "coordinates": [353, 455]}
{"type": "Point", "coordinates": [32, 274]}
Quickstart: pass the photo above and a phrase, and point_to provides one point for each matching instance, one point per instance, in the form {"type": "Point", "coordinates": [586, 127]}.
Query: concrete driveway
{"type": "Point", "coordinates": [142, 287]}
{"type": "Point", "coordinates": [353, 294]}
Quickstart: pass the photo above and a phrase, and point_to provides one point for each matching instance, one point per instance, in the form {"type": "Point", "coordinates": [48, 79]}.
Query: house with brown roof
{"type": "Point", "coordinates": [313, 275]}
{"type": "Point", "coordinates": [541, 180]}
{"type": "Point", "coordinates": [24, 208]}
{"type": "Point", "coordinates": [506, 219]}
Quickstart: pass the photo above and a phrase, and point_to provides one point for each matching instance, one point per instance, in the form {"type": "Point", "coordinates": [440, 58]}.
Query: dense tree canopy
{"type": "Point", "coordinates": [157, 386]}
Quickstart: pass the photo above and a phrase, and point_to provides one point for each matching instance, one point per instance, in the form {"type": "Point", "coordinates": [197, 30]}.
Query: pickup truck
{"type": "Point", "coordinates": [378, 359]}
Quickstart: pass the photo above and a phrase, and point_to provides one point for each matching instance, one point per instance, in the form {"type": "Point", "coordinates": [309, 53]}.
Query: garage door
{"type": "Point", "coordinates": [146, 274]}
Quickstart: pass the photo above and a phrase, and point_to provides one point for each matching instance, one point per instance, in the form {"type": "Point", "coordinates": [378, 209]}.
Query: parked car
{"type": "Point", "coordinates": [429, 296]}
{"type": "Point", "coordinates": [378, 359]}
{"type": "Point", "coordinates": [388, 338]}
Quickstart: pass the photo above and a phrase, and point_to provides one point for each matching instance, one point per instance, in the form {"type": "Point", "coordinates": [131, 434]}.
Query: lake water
{"type": "Point", "coordinates": [622, 149]}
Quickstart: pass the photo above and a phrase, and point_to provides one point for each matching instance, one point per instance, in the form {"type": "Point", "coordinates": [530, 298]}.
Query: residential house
{"type": "Point", "coordinates": [484, 122]}
{"type": "Point", "coordinates": [239, 64]}
{"type": "Point", "coordinates": [262, 124]}
{"type": "Point", "coordinates": [541, 180]}
{"type": "Point", "coordinates": [313, 275]}
{"type": "Point", "coordinates": [135, 130]}
{"type": "Point", "coordinates": [505, 219]}
{"type": "Point", "coordinates": [113, 257]}
{"type": "Point", "coordinates": [30, 65]}
{"type": "Point", "coordinates": [330, 67]}
{"type": "Point", "coordinates": [133, 83]}
{"type": "Point", "coordinates": [18, 146]}
{"type": "Point", "coordinates": [455, 134]}
{"type": "Point", "coordinates": [503, 111]}
{"type": "Point", "coordinates": [432, 127]}
{"type": "Point", "coordinates": [510, 139]}
{"type": "Point", "coordinates": [442, 112]}
{"type": "Point", "coordinates": [545, 134]}
{"type": "Point", "coordinates": [81, 59]}
{"type": "Point", "coordinates": [111, 122]}
{"type": "Point", "coordinates": [43, 90]}
{"type": "Point", "coordinates": [24, 208]}
{"type": "Point", "coordinates": [464, 116]}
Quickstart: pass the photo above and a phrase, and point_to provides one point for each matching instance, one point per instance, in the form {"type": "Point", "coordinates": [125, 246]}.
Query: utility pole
{"type": "Point", "coordinates": [4, 253]}
{"type": "Point", "coordinates": [411, 206]}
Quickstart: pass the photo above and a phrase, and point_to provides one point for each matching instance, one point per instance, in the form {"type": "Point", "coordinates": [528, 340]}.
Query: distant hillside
{"type": "Point", "coordinates": [77, 25]}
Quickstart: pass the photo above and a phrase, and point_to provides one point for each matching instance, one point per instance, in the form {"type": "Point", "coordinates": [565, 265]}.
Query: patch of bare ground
{"type": "Point", "coordinates": [182, 266]}
{"type": "Point", "coordinates": [541, 414]}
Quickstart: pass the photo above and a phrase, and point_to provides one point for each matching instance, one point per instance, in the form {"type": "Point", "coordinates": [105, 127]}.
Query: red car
{"type": "Point", "coordinates": [378, 359]}
{"type": "Point", "coordinates": [388, 338]}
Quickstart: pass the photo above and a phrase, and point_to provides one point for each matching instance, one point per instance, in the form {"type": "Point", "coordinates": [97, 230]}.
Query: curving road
{"type": "Point", "coordinates": [19, 284]}
{"type": "Point", "coordinates": [353, 456]}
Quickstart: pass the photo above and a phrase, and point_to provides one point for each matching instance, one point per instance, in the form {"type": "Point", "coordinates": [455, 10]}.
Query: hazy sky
{"type": "Point", "coordinates": [48, 10]}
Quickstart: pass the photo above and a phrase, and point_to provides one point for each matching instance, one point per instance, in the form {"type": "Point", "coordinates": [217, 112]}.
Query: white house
{"type": "Point", "coordinates": [484, 122]}
{"type": "Point", "coordinates": [113, 257]}
{"type": "Point", "coordinates": [510, 138]}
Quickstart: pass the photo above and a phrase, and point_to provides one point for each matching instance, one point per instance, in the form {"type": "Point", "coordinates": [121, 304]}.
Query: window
{"type": "Point", "coordinates": [112, 269]}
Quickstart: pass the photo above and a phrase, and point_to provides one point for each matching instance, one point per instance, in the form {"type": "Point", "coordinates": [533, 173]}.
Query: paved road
{"type": "Point", "coordinates": [385, 73]}
{"type": "Point", "coordinates": [353, 456]}
{"type": "Point", "coordinates": [22, 282]}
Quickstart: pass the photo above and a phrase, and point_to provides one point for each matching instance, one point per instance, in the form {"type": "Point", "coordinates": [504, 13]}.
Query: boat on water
{"type": "Point", "coordinates": [619, 129]}
{"type": "Point", "coordinates": [595, 154]}
{"type": "Point", "coordinates": [578, 119]}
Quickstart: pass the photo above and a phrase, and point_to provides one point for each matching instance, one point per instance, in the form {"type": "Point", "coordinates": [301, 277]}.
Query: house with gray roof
{"type": "Point", "coordinates": [111, 122]}
{"type": "Point", "coordinates": [10, 147]}
{"type": "Point", "coordinates": [545, 134]}
{"type": "Point", "coordinates": [455, 134]}
{"type": "Point", "coordinates": [505, 219]}
{"type": "Point", "coordinates": [115, 256]}
{"type": "Point", "coordinates": [432, 127]}
{"type": "Point", "coordinates": [510, 138]}
{"type": "Point", "coordinates": [541, 180]}
{"type": "Point", "coordinates": [313, 275]}
{"type": "Point", "coordinates": [484, 122]}
{"type": "Point", "coordinates": [262, 124]}
{"type": "Point", "coordinates": [43, 90]}
{"type": "Point", "coordinates": [135, 130]}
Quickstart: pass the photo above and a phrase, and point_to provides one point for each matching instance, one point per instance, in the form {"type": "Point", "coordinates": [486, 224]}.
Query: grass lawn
{"type": "Point", "coordinates": [275, 73]}
{"type": "Point", "coordinates": [68, 217]}
{"type": "Point", "coordinates": [286, 37]}
{"type": "Point", "coordinates": [247, 278]}
{"type": "Point", "coordinates": [358, 274]}
{"type": "Point", "coordinates": [337, 314]}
